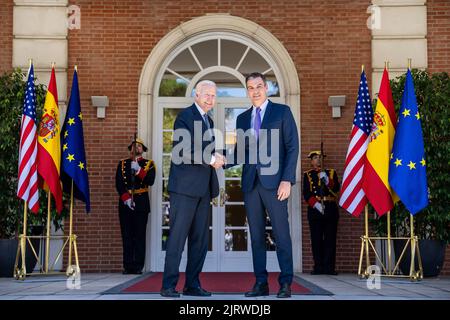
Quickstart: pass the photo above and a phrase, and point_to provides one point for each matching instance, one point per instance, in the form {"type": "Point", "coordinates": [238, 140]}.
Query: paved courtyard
{"type": "Point", "coordinates": [341, 287]}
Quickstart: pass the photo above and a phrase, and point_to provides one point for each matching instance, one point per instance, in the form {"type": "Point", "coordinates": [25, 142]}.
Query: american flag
{"type": "Point", "coordinates": [353, 198]}
{"type": "Point", "coordinates": [27, 188]}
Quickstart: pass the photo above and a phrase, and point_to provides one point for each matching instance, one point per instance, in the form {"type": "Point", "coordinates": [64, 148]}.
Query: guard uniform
{"type": "Point", "coordinates": [323, 226]}
{"type": "Point", "coordinates": [133, 223]}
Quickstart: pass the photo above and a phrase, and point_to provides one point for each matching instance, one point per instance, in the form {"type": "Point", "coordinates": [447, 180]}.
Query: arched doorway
{"type": "Point", "coordinates": [224, 54]}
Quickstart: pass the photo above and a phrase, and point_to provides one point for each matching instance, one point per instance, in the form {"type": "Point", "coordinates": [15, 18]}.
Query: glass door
{"type": "Point", "coordinates": [233, 234]}
{"type": "Point", "coordinates": [229, 239]}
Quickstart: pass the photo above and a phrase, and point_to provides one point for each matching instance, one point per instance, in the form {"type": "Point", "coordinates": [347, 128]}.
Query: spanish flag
{"type": "Point", "coordinates": [376, 170]}
{"type": "Point", "coordinates": [49, 145]}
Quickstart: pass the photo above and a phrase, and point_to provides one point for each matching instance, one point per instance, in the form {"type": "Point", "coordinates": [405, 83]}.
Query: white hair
{"type": "Point", "coordinates": [204, 83]}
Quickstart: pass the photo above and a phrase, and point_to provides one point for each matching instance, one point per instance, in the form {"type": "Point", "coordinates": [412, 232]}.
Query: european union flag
{"type": "Point", "coordinates": [407, 167]}
{"type": "Point", "coordinates": [73, 157]}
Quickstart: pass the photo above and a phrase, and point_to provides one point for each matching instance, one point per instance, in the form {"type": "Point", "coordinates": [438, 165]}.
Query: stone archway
{"type": "Point", "coordinates": [148, 86]}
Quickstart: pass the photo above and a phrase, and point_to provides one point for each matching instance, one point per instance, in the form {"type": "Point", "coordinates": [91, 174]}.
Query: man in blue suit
{"type": "Point", "coordinates": [269, 157]}
{"type": "Point", "coordinates": [192, 184]}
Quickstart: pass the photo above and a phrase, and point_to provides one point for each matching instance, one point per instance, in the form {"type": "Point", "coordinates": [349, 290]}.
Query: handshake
{"type": "Point", "coordinates": [219, 161]}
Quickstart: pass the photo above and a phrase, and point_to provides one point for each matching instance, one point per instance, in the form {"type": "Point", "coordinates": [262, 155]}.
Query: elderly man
{"type": "Point", "coordinates": [192, 184]}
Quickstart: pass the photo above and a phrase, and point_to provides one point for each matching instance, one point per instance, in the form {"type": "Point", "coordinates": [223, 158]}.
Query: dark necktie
{"type": "Point", "coordinates": [257, 122]}
{"type": "Point", "coordinates": [205, 117]}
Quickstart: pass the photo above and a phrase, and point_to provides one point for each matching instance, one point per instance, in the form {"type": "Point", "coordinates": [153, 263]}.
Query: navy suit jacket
{"type": "Point", "coordinates": [194, 176]}
{"type": "Point", "coordinates": [279, 117]}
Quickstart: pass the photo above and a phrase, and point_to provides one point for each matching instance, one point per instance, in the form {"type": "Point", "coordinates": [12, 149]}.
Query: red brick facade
{"type": "Point", "coordinates": [327, 40]}
{"type": "Point", "coordinates": [6, 35]}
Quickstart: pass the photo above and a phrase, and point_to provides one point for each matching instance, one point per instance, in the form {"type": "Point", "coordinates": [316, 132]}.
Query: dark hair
{"type": "Point", "coordinates": [255, 75]}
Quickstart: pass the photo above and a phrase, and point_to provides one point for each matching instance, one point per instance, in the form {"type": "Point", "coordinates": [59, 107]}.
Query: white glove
{"type": "Point", "coordinates": [323, 176]}
{"type": "Point", "coordinates": [135, 166]}
{"type": "Point", "coordinates": [318, 206]}
{"type": "Point", "coordinates": [129, 203]}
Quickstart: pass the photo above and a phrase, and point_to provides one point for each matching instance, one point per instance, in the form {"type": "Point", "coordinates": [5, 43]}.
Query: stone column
{"type": "Point", "coordinates": [40, 33]}
{"type": "Point", "coordinates": [401, 35]}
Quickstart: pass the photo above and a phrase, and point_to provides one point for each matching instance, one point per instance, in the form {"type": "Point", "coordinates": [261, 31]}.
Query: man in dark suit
{"type": "Point", "coordinates": [320, 188]}
{"type": "Point", "coordinates": [270, 161]}
{"type": "Point", "coordinates": [192, 184]}
{"type": "Point", "coordinates": [133, 177]}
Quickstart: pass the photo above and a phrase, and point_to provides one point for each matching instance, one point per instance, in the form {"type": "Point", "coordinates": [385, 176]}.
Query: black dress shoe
{"type": "Point", "coordinates": [170, 293]}
{"type": "Point", "coordinates": [285, 291]}
{"type": "Point", "coordinates": [331, 273]}
{"type": "Point", "coordinates": [198, 292]}
{"type": "Point", "coordinates": [259, 289]}
{"type": "Point", "coordinates": [315, 272]}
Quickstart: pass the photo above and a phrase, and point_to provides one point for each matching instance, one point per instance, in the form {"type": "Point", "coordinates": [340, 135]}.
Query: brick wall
{"type": "Point", "coordinates": [438, 18]}
{"type": "Point", "coordinates": [327, 41]}
{"type": "Point", "coordinates": [6, 35]}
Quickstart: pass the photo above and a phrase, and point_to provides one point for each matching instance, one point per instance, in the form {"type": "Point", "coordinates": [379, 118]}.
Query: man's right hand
{"type": "Point", "coordinates": [220, 161]}
{"type": "Point", "coordinates": [318, 206]}
{"type": "Point", "coordinates": [129, 203]}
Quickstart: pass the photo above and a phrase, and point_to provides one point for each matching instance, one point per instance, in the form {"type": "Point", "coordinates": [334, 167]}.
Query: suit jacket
{"type": "Point", "coordinates": [194, 176]}
{"type": "Point", "coordinates": [277, 117]}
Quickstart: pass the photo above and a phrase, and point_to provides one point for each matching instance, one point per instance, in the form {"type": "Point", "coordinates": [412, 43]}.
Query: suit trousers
{"type": "Point", "coordinates": [189, 219]}
{"type": "Point", "coordinates": [323, 237]}
{"type": "Point", "coordinates": [133, 226]}
{"type": "Point", "coordinates": [257, 201]}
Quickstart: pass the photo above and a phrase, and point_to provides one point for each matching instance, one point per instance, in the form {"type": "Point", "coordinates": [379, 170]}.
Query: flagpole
{"type": "Point", "coordinates": [386, 66]}
{"type": "Point", "coordinates": [366, 222]}
{"type": "Point", "coordinates": [409, 63]}
{"type": "Point", "coordinates": [70, 226]}
{"type": "Point", "coordinates": [413, 245]}
{"type": "Point", "coordinates": [25, 216]}
{"type": "Point", "coordinates": [389, 240]}
{"type": "Point", "coordinates": [23, 241]}
{"type": "Point", "coordinates": [47, 247]}
{"type": "Point", "coordinates": [362, 68]}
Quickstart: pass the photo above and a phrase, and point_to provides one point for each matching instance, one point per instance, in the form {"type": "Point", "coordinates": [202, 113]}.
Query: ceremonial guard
{"type": "Point", "coordinates": [320, 188]}
{"type": "Point", "coordinates": [133, 178]}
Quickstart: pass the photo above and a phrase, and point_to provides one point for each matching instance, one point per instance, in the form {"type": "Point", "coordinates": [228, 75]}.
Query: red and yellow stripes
{"type": "Point", "coordinates": [376, 171]}
{"type": "Point", "coordinates": [49, 145]}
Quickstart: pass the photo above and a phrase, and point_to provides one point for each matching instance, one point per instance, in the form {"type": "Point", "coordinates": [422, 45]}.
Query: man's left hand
{"type": "Point", "coordinates": [284, 190]}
